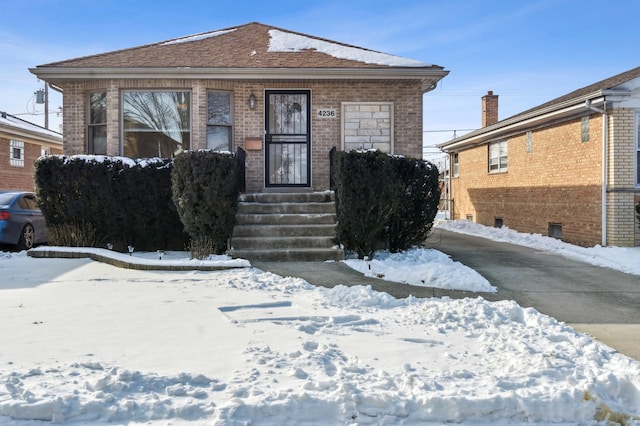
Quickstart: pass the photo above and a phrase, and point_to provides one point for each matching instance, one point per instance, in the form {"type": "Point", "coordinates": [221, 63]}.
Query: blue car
{"type": "Point", "coordinates": [22, 224]}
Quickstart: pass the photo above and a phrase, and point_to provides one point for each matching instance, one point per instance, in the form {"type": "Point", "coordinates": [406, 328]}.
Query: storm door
{"type": "Point", "coordinates": [287, 137]}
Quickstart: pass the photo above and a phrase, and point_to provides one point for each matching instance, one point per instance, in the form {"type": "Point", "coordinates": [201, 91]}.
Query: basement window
{"type": "Point", "coordinates": [470, 217]}
{"type": "Point", "coordinates": [498, 222]}
{"type": "Point", "coordinates": [555, 230]}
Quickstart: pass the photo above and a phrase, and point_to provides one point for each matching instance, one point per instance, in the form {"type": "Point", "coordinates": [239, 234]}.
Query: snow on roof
{"type": "Point", "coordinates": [18, 123]}
{"type": "Point", "coordinates": [288, 42]}
{"type": "Point", "coordinates": [196, 37]}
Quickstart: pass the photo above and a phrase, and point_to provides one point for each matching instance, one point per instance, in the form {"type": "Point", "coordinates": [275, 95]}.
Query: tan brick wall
{"type": "Point", "coordinates": [405, 96]}
{"type": "Point", "coordinates": [20, 178]}
{"type": "Point", "coordinates": [622, 228]}
{"type": "Point", "coordinates": [559, 181]}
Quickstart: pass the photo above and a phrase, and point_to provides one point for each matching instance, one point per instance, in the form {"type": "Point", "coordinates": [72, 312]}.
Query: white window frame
{"type": "Point", "coordinates": [456, 164]}
{"type": "Point", "coordinates": [16, 146]}
{"type": "Point", "coordinates": [498, 157]}
{"type": "Point", "coordinates": [637, 149]}
{"type": "Point", "coordinates": [222, 125]}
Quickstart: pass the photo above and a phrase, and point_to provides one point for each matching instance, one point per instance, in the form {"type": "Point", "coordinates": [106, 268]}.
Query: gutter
{"type": "Point", "coordinates": [605, 119]}
{"type": "Point", "coordinates": [85, 73]}
{"type": "Point", "coordinates": [529, 120]}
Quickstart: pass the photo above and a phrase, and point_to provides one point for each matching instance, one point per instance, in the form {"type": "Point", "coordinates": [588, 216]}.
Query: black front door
{"type": "Point", "coordinates": [288, 138]}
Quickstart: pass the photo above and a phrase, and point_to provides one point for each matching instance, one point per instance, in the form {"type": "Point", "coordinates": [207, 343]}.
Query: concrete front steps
{"type": "Point", "coordinates": [286, 227]}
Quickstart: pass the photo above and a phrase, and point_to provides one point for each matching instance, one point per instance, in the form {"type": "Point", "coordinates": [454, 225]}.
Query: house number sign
{"type": "Point", "coordinates": [326, 113]}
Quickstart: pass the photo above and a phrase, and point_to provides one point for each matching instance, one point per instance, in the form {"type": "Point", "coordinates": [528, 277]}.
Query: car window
{"type": "Point", "coordinates": [28, 202]}
{"type": "Point", "coordinates": [6, 199]}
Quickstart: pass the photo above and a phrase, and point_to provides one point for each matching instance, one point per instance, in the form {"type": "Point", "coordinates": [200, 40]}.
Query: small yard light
{"type": "Point", "coordinates": [252, 101]}
{"type": "Point", "coordinates": [160, 254]}
{"type": "Point", "coordinates": [130, 250]}
{"type": "Point", "coordinates": [110, 246]}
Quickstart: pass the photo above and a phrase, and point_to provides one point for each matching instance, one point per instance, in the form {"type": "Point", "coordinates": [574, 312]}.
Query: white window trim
{"type": "Point", "coordinates": [500, 169]}
{"type": "Point", "coordinates": [636, 168]}
{"type": "Point", "coordinates": [13, 145]}
{"type": "Point", "coordinates": [456, 164]}
{"type": "Point", "coordinates": [231, 113]}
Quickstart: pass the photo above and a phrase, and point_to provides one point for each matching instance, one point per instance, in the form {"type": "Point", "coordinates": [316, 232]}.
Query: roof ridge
{"type": "Point", "coordinates": [604, 84]}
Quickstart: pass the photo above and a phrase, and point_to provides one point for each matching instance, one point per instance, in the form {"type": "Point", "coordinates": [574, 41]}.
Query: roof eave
{"type": "Point", "coordinates": [522, 122]}
{"type": "Point", "coordinates": [31, 135]}
{"type": "Point", "coordinates": [429, 76]}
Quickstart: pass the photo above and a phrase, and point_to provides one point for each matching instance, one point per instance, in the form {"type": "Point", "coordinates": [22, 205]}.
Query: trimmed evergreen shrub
{"type": "Point", "coordinates": [383, 201]}
{"type": "Point", "coordinates": [125, 202]}
{"type": "Point", "coordinates": [205, 188]}
{"type": "Point", "coordinates": [416, 203]}
{"type": "Point", "coordinates": [365, 189]}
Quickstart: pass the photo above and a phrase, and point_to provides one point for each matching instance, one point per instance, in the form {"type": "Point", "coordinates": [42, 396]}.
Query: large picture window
{"type": "Point", "coordinates": [498, 158]}
{"type": "Point", "coordinates": [97, 136]}
{"type": "Point", "coordinates": [219, 121]}
{"type": "Point", "coordinates": [156, 123]}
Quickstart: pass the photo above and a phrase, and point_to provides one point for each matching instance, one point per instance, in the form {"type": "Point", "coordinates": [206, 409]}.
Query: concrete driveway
{"type": "Point", "coordinates": [597, 301]}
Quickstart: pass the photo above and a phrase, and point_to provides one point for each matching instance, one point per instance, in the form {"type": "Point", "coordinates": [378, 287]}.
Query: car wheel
{"type": "Point", "coordinates": [27, 237]}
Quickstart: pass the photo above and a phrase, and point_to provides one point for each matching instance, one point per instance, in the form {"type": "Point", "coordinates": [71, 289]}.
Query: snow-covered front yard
{"type": "Point", "coordinates": [82, 342]}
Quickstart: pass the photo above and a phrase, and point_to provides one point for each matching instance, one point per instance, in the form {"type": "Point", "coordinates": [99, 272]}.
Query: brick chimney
{"type": "Point", "coordinates": [489, 109]}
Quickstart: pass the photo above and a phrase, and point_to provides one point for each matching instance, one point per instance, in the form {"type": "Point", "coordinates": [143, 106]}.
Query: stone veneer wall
{"type": "Point", "coordinates": [367, 125]}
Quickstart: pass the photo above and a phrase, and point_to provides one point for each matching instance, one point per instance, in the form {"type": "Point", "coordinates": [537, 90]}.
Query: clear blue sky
{"type": "Point", "coordinates": [527, 52]}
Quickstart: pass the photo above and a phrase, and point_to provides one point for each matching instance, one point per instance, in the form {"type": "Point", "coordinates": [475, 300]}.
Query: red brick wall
{"type": "Point", "coordinates": [19, 178]}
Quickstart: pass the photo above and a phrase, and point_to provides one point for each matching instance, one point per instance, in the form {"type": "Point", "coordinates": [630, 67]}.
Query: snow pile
{"type": "Point", "coordinates": [422, 267]}
{"type": "Point", "coordinates": [243, 346]}
{"type": "Point", "coordinates": [281, 41]}
{"type": "Point", "coordinates": [624, 259]}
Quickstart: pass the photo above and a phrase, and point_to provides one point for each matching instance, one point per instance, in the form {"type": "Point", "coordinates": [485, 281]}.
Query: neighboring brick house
{"type": "Point", "coordinates": [568, 168]}
{"type": "Point", "coordinates": [21, 143]}
{"type": "Point", "coordinates": [286, 98]}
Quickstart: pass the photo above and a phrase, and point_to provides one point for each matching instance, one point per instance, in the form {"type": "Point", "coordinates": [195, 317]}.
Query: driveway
{"type": "Point", "coordinates": [598, 301]}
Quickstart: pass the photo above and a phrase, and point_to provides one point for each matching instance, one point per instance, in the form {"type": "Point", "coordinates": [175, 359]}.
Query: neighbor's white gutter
{"type": "Point", "coordinates": [605, 118]}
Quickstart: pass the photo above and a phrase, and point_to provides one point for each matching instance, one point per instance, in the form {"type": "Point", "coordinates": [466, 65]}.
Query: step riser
{"type": "Point", "coordinates": [284, 231]}
{"type": "Point", "coordinates": [278, 198]}
{"type": "Point", "coordinates": [283, 243]}
{"type": "Point", "coordinates": [285, 219]}
{"type": "Point", "coordinates": [288, 255]}
{"type": "Point", "coordinates": [286, 208]}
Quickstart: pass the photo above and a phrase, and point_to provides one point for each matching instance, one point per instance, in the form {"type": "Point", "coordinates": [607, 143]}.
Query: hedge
{"type": "Point", "coordinates": [206, 187]}
{"type": "Point", "coordinates": [383, 201]}
{"type": "Point", "coordinates": [125, 202]}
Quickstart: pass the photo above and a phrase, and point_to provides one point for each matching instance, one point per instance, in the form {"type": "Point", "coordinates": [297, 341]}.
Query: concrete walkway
{"type": "Point", "coordinates": [597, 301]}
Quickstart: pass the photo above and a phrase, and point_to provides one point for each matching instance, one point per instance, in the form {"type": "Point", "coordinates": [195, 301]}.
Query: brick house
{"type": "Point", "coordinates": [21, 143]}
{"type": "Point", "coordinates": [285, 98]}
{"type": "Point", "coordinates": [569, 168]}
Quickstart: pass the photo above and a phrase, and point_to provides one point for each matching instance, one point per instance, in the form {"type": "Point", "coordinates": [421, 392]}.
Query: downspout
{"type": "Point", "coordinates": [605, 119]}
